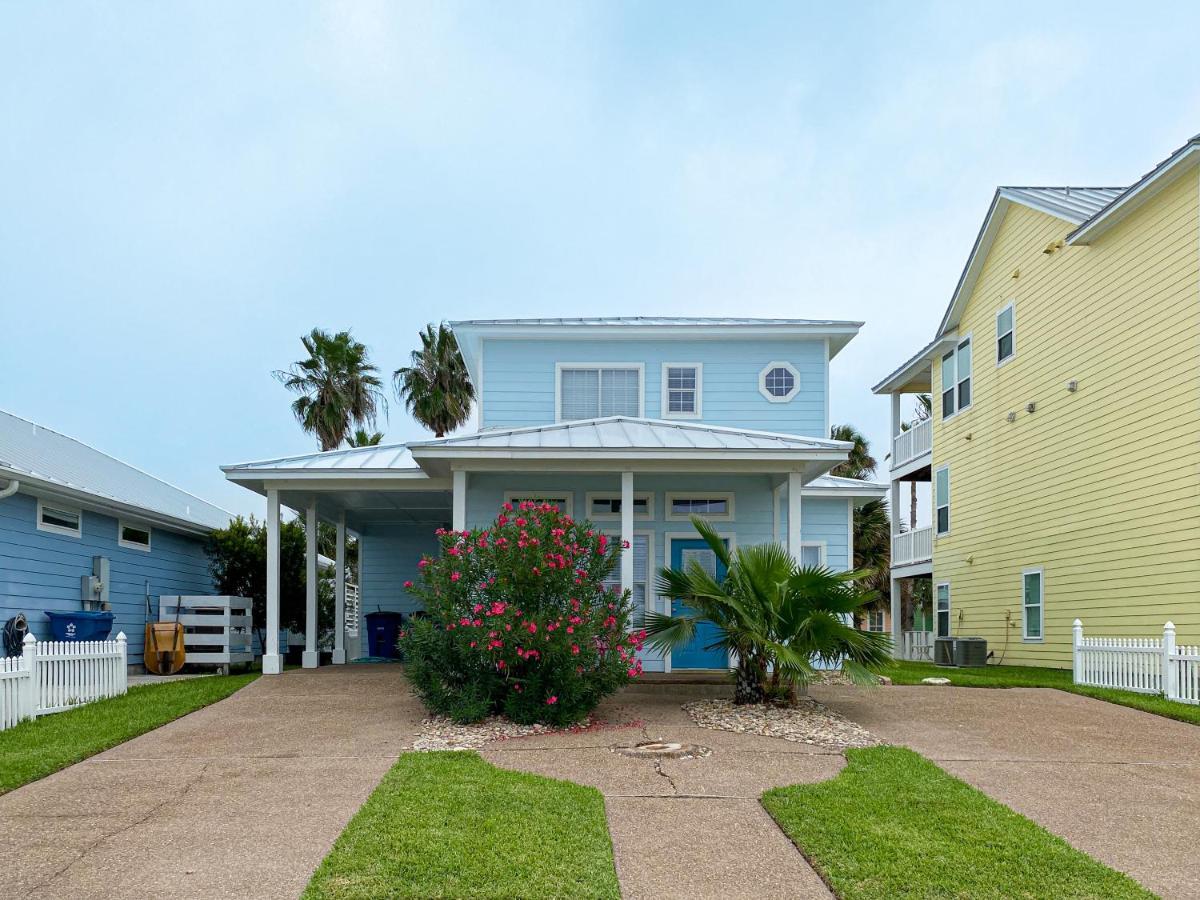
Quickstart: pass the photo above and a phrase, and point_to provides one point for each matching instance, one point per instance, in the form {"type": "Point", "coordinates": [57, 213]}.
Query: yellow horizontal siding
{"type": "Point", "coordinates": [1101, 487]}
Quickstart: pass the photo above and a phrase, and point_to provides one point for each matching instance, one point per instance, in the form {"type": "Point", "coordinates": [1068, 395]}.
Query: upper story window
{"type": "Point", "coordinates": [779, 382]}
{"type": "Point", "coordinates": [596, 390]}
{"type": "Point", "coordinates": [956, 379]}
{"type": "Point", "coordinates": [59, 519]}
{"type": "Point", "coordinates": [133, 536]}
{"type": "Point", "coordinates": [681, 390]}
{"type": "Point", "coordinates": [941, 499]}
{"type": "Point", "coordinates": [1006, 334]}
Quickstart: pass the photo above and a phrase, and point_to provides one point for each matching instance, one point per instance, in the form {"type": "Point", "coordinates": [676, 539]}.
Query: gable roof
{"type": "Point", "coordinates": [40, 457]}
{"type": "Point", "coordinates": [380, 457]}
{"type": "Point", "coordinates": [1073, 205]}
{"type": "Point", "coordinates": [627, 433]}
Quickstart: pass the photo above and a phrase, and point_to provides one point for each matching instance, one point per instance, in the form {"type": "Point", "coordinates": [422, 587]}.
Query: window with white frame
{"type": "Point", "coordinates": [941, 499]}
{"type": "Point", "coordinates": [562, 499]}
{"type": "Point", "coordinates": [681, 390]}
{"type": "Point", "coordinates": [133, 536]}
{"type": "Point", "coordinates": [875, 620]}
{"type": "Point", "coordinates": [779, 382]}
{"type": "Point", "coordinates": [640, 547]}
{"type": "Point", "coordinates": [1033, 603]}
{"type": "Point", "coordinates": [956, 379]}
{"type": "Point", "coordinates": [941, 621]}
{"type": "Point", "coordinates": [812, 554]}
{"type": "Point", "coordinates": [59, 519]}
{"type": "Point", "coordinates": [1006, 334]}
{"type": "Point", "coordinates": [596, 391]}
{"type": "Point", "coordinates": [608, 506]}
{"type": "Point", "coordinates": [682, 506]}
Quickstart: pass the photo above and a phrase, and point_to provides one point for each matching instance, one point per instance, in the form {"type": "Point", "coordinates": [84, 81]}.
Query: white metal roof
{"type": "Point", "coordinates": [1075, 204]}
{"type": "Point", "coordinates": [850, 487]}
{"type": "Point", "coordinates": [389, 457]}
{"type": "Point", "coordinates": [644, 321]}
{"type": "Point", "coordinates": [628, 433]}
{"type": "Point", "coordinates": [36, 455]}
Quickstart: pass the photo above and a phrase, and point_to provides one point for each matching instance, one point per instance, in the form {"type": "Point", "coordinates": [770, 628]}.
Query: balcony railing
{"type": "Point", "coordinates": [912, 546]}
{"type": "Point", "coordinates": [908, 445]}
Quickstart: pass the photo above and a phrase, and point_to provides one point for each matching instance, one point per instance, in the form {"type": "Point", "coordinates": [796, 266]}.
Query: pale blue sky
{"type": "Point", "coordinates": [187, 188]}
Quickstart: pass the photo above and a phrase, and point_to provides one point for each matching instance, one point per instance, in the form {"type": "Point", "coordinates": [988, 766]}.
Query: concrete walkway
{"type": "Point", "coordinates": [1118, 784]}
{"type": "Point", "coordinates": [686, 828]}
{"type": "Point", "coordinates": [241, 799]}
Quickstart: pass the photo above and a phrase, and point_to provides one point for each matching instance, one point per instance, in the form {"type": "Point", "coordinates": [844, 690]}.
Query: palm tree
{"type": "Point", "coordinates": [436, 388]}
{"type": "Point", "coordinates": [777, 616]}
{"type": "Point", "coordinates": [860, 464]}
{"type": "Point", "coordinates": [337, 385]}
{"type": "Point", "coordinates": [361, 438]}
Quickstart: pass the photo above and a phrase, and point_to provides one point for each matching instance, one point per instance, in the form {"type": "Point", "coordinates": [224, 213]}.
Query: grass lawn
{"type": "Point", "coordinates": [894, 825]}
{"type": "Point", "coordinates": [39, 747]}
{"type": "Point", "coordinates": [1032, 676]}
{"type": "Point", "coordinates": [448, 824]}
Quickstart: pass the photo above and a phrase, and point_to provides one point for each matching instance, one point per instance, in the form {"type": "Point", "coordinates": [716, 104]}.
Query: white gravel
{"type": "Point", "coordinates": [806, 723]}
{"type": "Point", "coordinates": [440, 733]}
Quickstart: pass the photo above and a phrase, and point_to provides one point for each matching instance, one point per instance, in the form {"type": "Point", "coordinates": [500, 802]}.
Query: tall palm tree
{"type": "Point", "coordinates": [361, 438]}
{"type": "Point", "coordinates": [436, 388]}
{"type": "Point", "coordinates": [337, 387]}
{"type": "Point", "coordinates": [860, 464]}
{"type": "Point", "coordinates": [776, 616]}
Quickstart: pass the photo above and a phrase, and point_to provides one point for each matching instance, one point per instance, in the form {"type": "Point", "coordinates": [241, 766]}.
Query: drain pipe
{"type": "Point", "coordinates": [13, 484]}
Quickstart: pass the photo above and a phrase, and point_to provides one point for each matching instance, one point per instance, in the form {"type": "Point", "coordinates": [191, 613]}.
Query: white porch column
{"type": "Point", "coordinates": [627, 531]}
{"type": "Point", "coordinates": [311, 658]}
{"type": "Point", "coordinates": [459, 500]}
{"type": "Point", "coordinates": [272, 662]}
{"type": "Point", "coordinates": [339, 596]}
{"type": "Point", "coordinates": [794, 518]}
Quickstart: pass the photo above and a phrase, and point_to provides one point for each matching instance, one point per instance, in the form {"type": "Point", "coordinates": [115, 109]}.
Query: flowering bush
{"type": "Point", "coordinates": [518, 621]}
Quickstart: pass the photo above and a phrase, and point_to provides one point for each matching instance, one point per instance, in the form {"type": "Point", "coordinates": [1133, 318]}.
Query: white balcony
{"type": "Point", "coordinates": [912, 547]}
{"type": "Point", "coordinates": [913, 444]}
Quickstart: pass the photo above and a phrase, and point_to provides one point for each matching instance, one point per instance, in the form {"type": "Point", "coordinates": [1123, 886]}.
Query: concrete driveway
{"type": "Point", "coordinates": [1121, 785]}
{"type": "Point", "coordinates": [240, 799]}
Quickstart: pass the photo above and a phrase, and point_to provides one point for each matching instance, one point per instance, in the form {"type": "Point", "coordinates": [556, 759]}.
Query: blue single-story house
{"type": "Point", "coordinates": [64, 504]}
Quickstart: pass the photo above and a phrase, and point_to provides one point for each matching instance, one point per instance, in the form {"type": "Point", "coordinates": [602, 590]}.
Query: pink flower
{"type": "Point", "coordinates": [575, 649]}
{"type": "Point", "coordinates": [455, 576]}
{"type": "Point", "coordinates": [551, 700]}
{"type": "Point", "coordinates": [423, 563]}
{"type": "Point", "coordinates": [408, 584]}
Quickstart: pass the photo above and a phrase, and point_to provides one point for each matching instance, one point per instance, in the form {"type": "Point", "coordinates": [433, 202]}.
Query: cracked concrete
{"type": "Point", "coordinates": [1121, 785]}
{"type": "Point", "coordinates": [241, 799]}
{"type": "Point", "coordinates": [689, 827]}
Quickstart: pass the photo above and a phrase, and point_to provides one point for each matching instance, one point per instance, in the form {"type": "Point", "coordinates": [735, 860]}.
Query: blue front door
{"type": "Point", "coordinates": [693, 655]}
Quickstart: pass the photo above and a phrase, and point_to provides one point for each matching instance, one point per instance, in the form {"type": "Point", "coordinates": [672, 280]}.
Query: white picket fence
{"type": "Point", "coordinates": [1145, 665]}
{"type": "Point", "coordinates": [50, 676]}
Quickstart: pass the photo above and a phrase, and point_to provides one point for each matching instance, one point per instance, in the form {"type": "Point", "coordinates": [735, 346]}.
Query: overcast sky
{"type": "Point", "coordinates": [185, 189]}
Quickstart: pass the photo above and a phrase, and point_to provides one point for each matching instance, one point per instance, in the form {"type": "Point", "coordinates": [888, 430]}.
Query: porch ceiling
{"type": "Point", "coordinates": [364, 507]}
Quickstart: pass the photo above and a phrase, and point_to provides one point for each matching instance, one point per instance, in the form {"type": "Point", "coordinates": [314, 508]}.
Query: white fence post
{"type": "Point", "coordinates": [1170, 686]}
{"type": "Point", "coordinates": [1076, 656]}
{"type": "Point", "coordinates": [29, 664]}
{"type": "Point", "coordinates": [121, 679]}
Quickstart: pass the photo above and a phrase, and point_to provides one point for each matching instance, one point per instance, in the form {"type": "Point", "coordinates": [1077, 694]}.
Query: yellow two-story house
{"type": "Point", "coordinates": [1063, 439]}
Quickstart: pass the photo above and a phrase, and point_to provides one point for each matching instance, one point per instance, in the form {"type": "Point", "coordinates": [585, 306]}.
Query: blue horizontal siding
{"type": "Point", "coordinates": [390, 552]}
{"type": "Point", "coordinates": [40, 571]}
{"type": "Point", "coordinates": [518, 379]}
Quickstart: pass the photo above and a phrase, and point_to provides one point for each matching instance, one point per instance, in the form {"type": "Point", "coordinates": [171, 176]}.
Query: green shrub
{"type": "Point", "coordinates": [518, 621]}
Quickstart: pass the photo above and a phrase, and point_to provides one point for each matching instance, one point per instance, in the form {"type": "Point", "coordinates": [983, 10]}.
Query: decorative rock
{"type": "Point", "coordinates": [440, 733]}
{"type": "Point", "coordinates": [935, 680]}
{"type": "Point", "coordinates": [883, 679]}
{"type": "Point", "coordinates": [809, 722]}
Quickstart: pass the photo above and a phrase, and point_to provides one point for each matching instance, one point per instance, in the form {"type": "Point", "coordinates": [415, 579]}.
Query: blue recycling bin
{"type": "Point", "coordinates": [383, 630]}
{"type": "Point", "coordinates": [84, 625]}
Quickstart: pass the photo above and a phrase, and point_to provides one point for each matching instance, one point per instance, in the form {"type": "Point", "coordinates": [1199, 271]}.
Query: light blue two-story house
{"type": "Point", "coordinates": [634, 423]}
{"type": "Point", "coordinates": [69, 511]}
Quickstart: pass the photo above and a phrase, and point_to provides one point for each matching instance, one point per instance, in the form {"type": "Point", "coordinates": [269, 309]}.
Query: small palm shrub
{"type": "Point", "coordinates": [518, 621]}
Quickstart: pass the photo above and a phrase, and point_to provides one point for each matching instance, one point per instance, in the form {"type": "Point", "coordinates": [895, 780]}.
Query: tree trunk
{"type": "Point", "coordinates": [748, 688]}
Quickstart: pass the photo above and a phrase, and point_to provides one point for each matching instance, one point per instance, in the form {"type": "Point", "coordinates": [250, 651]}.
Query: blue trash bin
{"type": "Point", "coordinates": [383, 630]}
{"type": "Point", "coordinates": [84, 625]}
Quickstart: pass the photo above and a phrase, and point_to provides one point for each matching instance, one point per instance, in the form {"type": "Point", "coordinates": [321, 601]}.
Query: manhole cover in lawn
{"type": "Point", "coordinates": [669, 749]}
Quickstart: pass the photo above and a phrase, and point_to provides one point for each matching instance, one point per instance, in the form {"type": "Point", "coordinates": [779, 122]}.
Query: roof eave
{"type": "Point", "coordinates": [912, 367]}
{"type": "Point", "coordinates": [1138, 194]}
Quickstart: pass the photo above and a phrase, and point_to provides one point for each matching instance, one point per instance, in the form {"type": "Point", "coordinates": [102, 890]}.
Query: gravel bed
{"type": "Point", "coordinates": [440, 733]}
{"type": "Point", "coordinates": [808, 722]}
